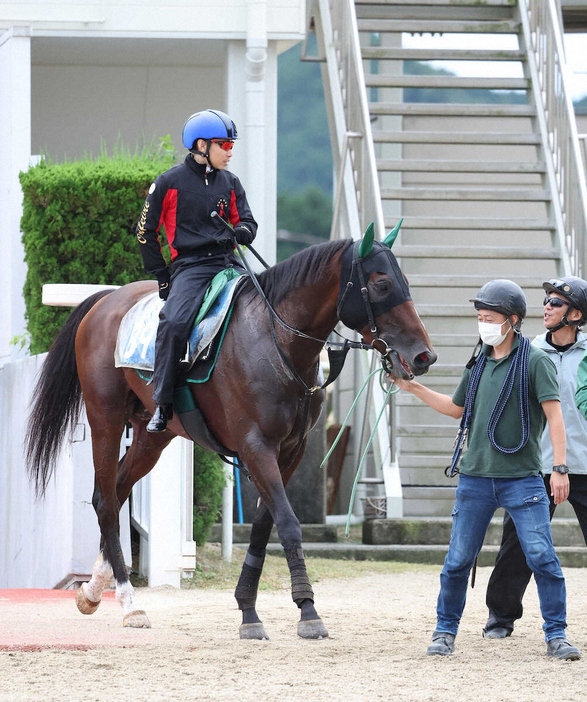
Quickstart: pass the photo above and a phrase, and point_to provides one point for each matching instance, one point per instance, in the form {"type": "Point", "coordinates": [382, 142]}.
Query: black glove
{"type": "Point", "coordinates": [243, 235]}
{"type": "Point", "coordinates": [164, 281]}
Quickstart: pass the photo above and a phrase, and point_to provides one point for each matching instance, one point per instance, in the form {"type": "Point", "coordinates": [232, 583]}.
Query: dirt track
{"type": "Point", "coordinates": [379, 629]}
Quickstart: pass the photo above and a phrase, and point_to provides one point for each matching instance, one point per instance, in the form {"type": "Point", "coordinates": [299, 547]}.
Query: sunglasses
{"type": "Point", "coordinates": [555, 302]}
{"type": "Point", "coordinates": [224, 144]}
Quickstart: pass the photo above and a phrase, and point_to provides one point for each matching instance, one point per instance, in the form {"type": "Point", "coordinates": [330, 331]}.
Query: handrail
{"type": "Point", "coordinates": [565, 166]}
{"type": "Point", "coordinates": [354, 155]}
{"type": "Point", "coordinates": [357, 200]}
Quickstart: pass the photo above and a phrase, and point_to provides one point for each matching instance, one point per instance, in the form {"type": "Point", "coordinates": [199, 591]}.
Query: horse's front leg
{"type": "Point", "coordinates": [248, 582]}
{"type": "Point", "coordinates": [310, 625]}
{"type": "Point", "coordinates": [272, 490]}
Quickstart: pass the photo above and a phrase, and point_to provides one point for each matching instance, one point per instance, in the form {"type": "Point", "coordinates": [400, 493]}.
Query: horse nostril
{"type": "Point", "coordinates": [425, 359]}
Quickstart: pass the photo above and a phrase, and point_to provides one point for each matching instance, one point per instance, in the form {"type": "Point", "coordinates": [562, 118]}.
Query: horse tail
{"type": "Point", "coordinates": [57, 401]}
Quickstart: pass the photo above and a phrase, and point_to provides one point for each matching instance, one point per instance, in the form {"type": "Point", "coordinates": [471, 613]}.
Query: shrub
{"type": "Point", "coordinates": [78, 227]}
{"type": "Point", "coordinates": [209, 482]}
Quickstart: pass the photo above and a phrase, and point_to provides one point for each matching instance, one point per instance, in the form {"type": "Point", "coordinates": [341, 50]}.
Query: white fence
{"type": "Point", "coordinates": [51, 542]}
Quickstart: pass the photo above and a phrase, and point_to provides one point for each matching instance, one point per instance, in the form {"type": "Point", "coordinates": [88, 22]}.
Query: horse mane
{"type": "Point", "coordinates": [303, 268]}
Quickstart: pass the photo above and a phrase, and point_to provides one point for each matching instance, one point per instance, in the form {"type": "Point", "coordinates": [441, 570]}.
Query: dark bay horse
{"type": "Point", "coordinates": [260, 402]}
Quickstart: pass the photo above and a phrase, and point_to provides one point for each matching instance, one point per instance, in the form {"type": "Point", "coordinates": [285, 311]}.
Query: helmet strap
{"type": "Point", "coordinates": [563, 323]}
{"type": "Point", "coordinates": [205, 154]}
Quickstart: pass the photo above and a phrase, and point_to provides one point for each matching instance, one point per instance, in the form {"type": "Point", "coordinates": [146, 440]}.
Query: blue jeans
{"type": "Point", "coordinates": [527, 503]}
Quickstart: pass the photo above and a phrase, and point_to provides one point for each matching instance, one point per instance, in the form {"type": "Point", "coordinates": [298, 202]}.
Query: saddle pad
{"type": "Point", "coordinates": [135, 345]}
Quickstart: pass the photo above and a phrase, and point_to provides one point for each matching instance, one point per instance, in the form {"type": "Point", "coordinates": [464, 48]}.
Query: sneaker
{"type": "Point", "coordinates": [562, 649]}
{"type": "Point", "coordinates": [497, 632]}
{"type": "Point", "coordinates": [443, 644]}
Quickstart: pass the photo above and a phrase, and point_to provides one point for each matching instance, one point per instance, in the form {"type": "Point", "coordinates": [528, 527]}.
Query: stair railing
{"type": "Point", "coordinates": [357, 199]}
{"type": "Point", "coordinates": [566, 171]}
{"type": "Point", "coordinates": [354, 153]}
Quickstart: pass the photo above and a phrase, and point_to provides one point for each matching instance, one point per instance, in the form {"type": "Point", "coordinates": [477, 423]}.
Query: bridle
{"type": "Point", "coordinates": [337, 350]}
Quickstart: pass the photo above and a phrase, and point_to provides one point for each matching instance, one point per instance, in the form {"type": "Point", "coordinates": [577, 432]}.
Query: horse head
{"type": "Point", "coordinates": [374, 300]}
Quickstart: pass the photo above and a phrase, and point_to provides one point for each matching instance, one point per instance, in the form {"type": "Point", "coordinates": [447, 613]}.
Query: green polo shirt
{"type": "Point", "coordinates": [481, 458]}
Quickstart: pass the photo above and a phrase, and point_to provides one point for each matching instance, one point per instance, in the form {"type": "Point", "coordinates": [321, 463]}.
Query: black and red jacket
{"type": "Point", "coordinates": [183, 199]}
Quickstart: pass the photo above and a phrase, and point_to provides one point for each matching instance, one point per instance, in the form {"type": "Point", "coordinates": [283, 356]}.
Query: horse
{"type": "Point", "coordinates": [261, 400]}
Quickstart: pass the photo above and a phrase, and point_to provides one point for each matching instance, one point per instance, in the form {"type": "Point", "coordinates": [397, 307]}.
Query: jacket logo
{"type": "Point", "coordinates": [141, 224]}
{"type": "Point", "coordinates": [222, 208]}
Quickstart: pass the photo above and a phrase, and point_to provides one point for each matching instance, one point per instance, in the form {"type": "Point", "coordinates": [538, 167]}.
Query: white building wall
{"type": "Point", "coordinates": [79, 75]}
{"type": "Point", "coordinates": [43, 541]}
{"type": "Point", "coordinates": [75, 75]}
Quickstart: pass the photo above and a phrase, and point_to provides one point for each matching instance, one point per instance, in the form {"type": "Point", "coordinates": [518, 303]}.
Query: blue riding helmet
{"type": "Point", "coordinates": [208, 124]}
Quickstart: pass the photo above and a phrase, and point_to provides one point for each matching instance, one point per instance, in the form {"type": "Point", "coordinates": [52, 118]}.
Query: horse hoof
{"type": "Point", "coordinates": [137, 620]}
{"type": "Point", "coordinates": [312, 629]}
{"type": "Point", "coordinates": [253, 631]}
{"type": "Point", "coordinates": [85, 605]}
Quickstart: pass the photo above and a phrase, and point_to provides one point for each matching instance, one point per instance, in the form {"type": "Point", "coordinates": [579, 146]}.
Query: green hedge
{"type": "Point", "coordinates": [209, 482]}
{"type": "Point", "coordinates": [78, 227]}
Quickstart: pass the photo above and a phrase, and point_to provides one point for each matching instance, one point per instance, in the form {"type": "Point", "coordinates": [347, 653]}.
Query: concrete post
{"type": "Point", "coordinates": [15, 151]}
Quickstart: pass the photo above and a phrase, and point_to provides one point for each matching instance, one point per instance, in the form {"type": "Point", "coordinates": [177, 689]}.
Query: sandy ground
{"type": "Point", "coordinates": [379, 628]}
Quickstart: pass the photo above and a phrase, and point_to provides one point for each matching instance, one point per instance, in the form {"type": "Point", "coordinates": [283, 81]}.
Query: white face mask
{"type": "Point", "coordinates": [491, 333]}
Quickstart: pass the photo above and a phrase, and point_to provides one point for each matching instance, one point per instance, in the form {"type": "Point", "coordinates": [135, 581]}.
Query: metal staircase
{"type": "Point", "coordinates": [488, 187]}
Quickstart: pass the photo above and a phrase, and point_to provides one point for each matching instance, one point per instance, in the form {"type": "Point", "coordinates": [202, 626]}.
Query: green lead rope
{"type": "Point", "coordinates": [391, 391]}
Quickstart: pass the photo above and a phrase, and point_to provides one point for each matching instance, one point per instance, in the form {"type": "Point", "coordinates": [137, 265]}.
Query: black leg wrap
{"type": "Point", "coordinates": [248, 582]}
{"type": "Point", "coordinates": [300, 583]}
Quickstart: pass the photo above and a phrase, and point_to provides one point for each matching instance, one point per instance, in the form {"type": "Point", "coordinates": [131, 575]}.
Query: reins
{"type": "Point", "coordinates": [336, 357]}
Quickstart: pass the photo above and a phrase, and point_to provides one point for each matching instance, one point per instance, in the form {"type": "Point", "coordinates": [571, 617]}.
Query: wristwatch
{"type": "Point", "coordinates": [562, 468]}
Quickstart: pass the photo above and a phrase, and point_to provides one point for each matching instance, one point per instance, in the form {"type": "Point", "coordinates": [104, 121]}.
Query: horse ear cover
{"type": "Point", "coordinates": [392, 236]}
{"type": "Point", "coordinates": [367, 242]}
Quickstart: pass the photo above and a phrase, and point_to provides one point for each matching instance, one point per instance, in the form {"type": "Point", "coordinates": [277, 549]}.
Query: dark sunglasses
{"type": "Point", "coordinates": [555, 302]}
{"type": "Point", "coordinates": [224, 144]}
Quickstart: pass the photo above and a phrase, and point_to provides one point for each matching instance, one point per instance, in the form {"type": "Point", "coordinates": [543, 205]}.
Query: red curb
{"type": "Point", "coordinates": [28, 595]}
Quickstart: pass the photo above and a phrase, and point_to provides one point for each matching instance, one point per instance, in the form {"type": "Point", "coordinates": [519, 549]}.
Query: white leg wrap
{"type": "Point", "coordinates": [125, 595]}
{"type": "Point", "coordinates": [101, 579]}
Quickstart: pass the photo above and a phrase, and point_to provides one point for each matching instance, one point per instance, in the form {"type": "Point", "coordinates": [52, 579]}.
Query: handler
{"type": "Point", "coordinates": [565, 312]}
{"type": "Point", "coordinates": [504, 396]}
{"type": "Point", "coordinates": [183, 199]}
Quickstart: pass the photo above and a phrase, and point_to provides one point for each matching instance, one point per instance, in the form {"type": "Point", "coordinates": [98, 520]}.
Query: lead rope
{"type": "Point", "coordinates": [518, 367]}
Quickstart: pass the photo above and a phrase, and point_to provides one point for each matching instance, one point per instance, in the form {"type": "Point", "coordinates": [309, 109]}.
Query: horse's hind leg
{"type": "Point", "coordinates": [112, 489]}
{"type": "Point", "coordinates": [248, 583]}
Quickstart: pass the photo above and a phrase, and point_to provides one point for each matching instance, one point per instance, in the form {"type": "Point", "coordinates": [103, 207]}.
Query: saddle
{"type": "Point", "coordinates": [135, 348]}
{"type": "Point", "coordinates": [135, 344]}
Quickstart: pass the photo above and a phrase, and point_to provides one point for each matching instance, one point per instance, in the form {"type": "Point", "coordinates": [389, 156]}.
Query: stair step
{"type": "Point", "coordinates": [497, 223]}
{"type": "Point", "coordinates": [465, 310]}
{"type": "Point", "coordinates": [411, 460]}
{"type": "Point", "coordinates": [495, 138]}
{"type": "Point", "coordinates": [437, 166]}
{"type": "Point", "coordinates": [465, 281]}
{"type": "Point", "coordinates": [385, 53]}
{"type": "Point", "coordinates": [565, 532]}
{"type": "Point", "coordinates": [438, 26]}
{"type": "Point", "coordinates": [439, 109]}
{"type": "Point", "coordinates": [469, 194]}
{"type": "Point", "coordinates": [442, 3]}
{"type": "Point", "coordinates": [476, 252]}
{"type": "Point", "coordinates": [442, 82]}
{"type": "Point", "coordinates": [426, 430]}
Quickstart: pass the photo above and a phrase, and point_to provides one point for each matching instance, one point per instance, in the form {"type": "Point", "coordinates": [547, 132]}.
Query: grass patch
{"type": "Point", "coordinates": [212, 572]}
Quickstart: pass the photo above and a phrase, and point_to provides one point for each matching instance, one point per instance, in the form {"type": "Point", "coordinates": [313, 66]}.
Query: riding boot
{"type": "Point", "coordinates": [162, 414]}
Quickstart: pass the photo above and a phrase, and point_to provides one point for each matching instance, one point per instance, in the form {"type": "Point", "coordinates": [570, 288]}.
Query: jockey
{"type": "Point", "coordinates": [183, 199]}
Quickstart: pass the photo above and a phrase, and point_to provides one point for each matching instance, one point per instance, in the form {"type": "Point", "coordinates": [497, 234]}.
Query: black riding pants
{"type": "Point", "coordinates": [511, 574]}
{"type": "Point", "coordinates": [189, 281]}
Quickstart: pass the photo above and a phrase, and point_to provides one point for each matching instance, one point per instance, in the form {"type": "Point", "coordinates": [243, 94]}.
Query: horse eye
{"type": "Point", "coordinates": [383, 286]}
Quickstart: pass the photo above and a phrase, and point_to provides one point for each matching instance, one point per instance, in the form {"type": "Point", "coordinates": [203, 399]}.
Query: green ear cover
{"type": "Point", "coordinates": [367, 242]}
{"type": "Point", "coordinates": [392, 236]}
